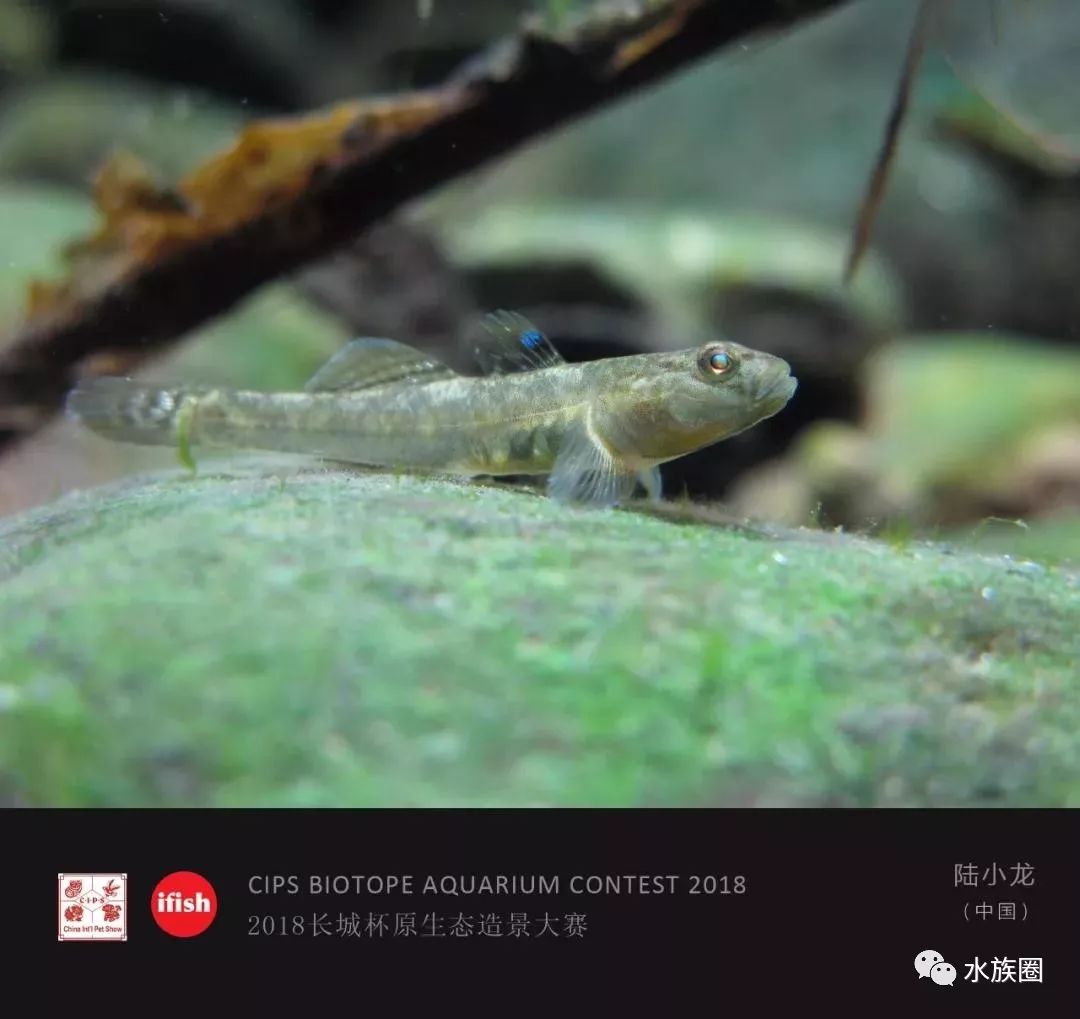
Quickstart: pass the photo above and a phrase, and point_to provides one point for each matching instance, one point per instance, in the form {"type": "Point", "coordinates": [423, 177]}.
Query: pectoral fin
{"type": "Point", "coordinates": [652, 483]}
{"type": "Point", "coordinates": [509, 343]}
{"type": "Point", "coordinates": [372, 361]}
{"type": "Point", "coordinates": [587, 474]}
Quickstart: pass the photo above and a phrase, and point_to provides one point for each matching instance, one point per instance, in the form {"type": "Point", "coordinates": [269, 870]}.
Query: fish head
{"type": "Point", "coordinates": [680, 402]}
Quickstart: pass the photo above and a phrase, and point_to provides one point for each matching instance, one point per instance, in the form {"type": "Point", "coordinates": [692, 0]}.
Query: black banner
{"type": "Point", "coordinates": [908, 907]}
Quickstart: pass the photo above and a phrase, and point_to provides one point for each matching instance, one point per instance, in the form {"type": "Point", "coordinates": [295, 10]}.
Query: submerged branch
{"type": "Point", "coordinates": [292, 191]}
{"type": "Point", "coordinates": [883, 164]}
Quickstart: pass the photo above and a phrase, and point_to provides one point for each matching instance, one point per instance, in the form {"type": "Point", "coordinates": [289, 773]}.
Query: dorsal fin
{"type": "Point", "coordinates": [509, 342]}
{"type": "Point", "coordinates": [372, 361]}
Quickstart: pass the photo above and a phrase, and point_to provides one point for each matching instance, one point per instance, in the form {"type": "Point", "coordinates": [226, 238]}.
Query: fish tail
{"type": "Point", "coordinates": [128, 411]}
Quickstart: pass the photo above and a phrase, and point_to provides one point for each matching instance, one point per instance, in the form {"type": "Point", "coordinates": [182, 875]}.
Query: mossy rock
{"type": "Point", "coordinates": [960, 427]}
{"type": "Point", "coordinates": [957, 407]}
{"type": "Point", "coordinates": [678, 261]}
{"type": "Point", "coordinates": [278, 633]}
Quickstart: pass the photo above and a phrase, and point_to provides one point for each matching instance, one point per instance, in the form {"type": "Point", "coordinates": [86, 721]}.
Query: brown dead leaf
{"type": "Point", "coordinates": [143, 222]}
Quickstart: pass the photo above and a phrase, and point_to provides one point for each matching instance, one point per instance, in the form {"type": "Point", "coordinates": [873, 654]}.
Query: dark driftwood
{"type": "Point", "coordinates": [515, 92]}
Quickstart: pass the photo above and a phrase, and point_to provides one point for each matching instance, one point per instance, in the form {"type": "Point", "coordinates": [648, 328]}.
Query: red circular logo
{"type": "Point", "coordinates": [183, 904]}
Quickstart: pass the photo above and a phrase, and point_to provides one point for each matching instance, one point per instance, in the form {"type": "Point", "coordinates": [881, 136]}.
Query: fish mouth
{"type": "Point", "coordinates": [779, 391]}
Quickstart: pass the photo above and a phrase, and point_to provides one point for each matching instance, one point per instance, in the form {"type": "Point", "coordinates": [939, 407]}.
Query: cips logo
{"type": "Point", "coordinates": [183, 904]}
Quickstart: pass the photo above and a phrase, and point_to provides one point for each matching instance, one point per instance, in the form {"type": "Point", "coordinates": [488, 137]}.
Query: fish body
{"type": "Point", "coordinates": [596, 429]}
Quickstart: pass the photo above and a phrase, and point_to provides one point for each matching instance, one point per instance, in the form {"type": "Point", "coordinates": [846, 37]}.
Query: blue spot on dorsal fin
{"type": "Point", "coordinates": [509, 342]}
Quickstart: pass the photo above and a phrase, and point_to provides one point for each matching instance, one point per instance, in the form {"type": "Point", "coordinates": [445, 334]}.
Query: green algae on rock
{"type": "Point", "coordinates": [279, 633]}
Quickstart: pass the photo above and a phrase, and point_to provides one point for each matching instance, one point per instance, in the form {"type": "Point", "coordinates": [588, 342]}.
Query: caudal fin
{"type": "Point", "coordinates": [129, 411]}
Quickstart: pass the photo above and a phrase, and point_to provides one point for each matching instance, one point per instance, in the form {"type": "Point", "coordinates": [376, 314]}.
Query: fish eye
{"type": "Point", "coordinates": [718, 361]}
